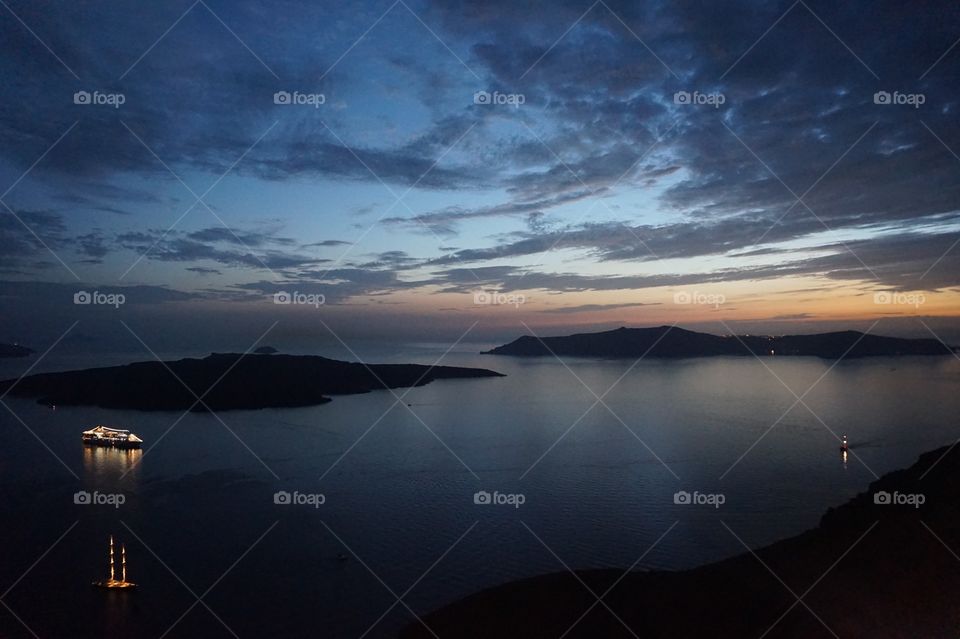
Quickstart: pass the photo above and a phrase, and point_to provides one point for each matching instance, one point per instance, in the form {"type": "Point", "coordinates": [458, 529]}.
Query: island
{"type": "Point", "coordinates": [872, 568]}
{"type": "Point", "coordinates": [226, 381]}
{"type": "Point", "coordinates": [14, 350]}
{"type": "Point", "coordinates": [670, 341]}
{"type": "Point", "coordinates": [266, 350]}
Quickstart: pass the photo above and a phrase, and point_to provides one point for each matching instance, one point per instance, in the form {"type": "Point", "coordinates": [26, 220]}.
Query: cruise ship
{"type": "Point", "coordinates": [114, 437]}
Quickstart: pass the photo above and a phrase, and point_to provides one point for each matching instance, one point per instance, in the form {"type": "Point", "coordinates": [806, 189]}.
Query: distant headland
{"type": "Point", "coordinates": [670, 341]}
{"type": "Point", "coordinates": [235, 381]}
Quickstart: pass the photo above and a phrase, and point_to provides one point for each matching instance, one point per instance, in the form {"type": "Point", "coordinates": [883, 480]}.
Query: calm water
{"type": "Point", "coordinates": [400, 498]}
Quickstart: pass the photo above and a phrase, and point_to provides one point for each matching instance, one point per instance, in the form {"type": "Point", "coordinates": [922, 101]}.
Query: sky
{"type": "Point", "coordinates": [420, 170]}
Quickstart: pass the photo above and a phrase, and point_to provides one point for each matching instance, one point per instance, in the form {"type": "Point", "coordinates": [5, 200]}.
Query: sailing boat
{"type": "Point", "coordinates": [112, 582]}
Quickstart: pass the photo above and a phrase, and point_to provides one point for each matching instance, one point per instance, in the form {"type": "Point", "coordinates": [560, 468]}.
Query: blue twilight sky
{"type": "Point", "coordinates": [589, 164]}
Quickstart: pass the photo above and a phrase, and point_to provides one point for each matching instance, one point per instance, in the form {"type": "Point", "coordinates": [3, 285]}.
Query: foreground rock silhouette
{"type": "Point", "coordinates": [872, 570]}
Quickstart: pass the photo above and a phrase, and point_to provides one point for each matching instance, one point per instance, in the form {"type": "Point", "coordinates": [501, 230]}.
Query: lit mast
{"type": "Point", "coordinates": [113, 582]}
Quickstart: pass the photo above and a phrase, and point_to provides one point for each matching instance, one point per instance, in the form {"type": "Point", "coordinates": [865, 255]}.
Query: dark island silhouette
{"type": "Point", "coordinates": [14, 350]}
{"type": "Point", "coordinates": [895, 577]}
{"type": "Point", "coordinates": [670, 341]}
{"type": "Point", "coordinates": [266, 350]}
{"type": "Point", "coordinates": [248, 382]}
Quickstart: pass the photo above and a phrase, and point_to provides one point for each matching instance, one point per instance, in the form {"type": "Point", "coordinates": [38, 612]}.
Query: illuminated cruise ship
{"type": "Point", "coordinates": [104, 436]}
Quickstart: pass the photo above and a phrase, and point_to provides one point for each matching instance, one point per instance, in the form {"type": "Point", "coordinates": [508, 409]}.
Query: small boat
{"type": "Point", "coordinates": [113, 437]}
{"type": "Point", "coordinates": [112, 583]}
{"type": "Point", "coordinates": [843, 445]}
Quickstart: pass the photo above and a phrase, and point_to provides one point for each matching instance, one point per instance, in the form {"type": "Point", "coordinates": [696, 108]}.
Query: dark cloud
{"type": "Point", "coordinates": [60, 295]}
{"type": "Point", "coordinates": [243, 238]}
{"type": "Point", "coordinates": [444, 222]}
{"type": "Point", "coordinates": [792, 316]}
{"type": "Point", "coordinates": [589, 308]}
{"type": "Point", "coordinates": [183, 250]}
{"type": "Point", "coordinates": [338, 285]}
{"type": "Point", "coordinates": [202, 270]}
{"type": "Point", "coordinates": [23, 234]}
{"type": "Point", "coordinates": [328, 243]}
{"type": "Point", "coordinates": [92, 245]}
{"type": "Point", "coordinates": [218, 244]}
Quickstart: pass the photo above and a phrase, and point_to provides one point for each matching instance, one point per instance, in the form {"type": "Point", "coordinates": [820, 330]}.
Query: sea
{"type": "Point", "coordinates": [359, 516]}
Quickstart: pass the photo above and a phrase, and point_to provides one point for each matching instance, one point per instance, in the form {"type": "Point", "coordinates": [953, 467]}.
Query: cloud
{"type": "Point", "coordinates": [328, 243]}
{"type": "Point", "coordinates": [590, 308]}
{"type": "Point", "coordinates": [243, 248]}
{"type": "Point", "coordinates": [92, 245]}
{"type": "Point", "coordinates": [680, 194]}
{"type": "Point", "coordinates": [338, 285]}
{"type": "Point", "coordinates": [202, 270]}
{"type": "Point", "coordinates": [243, 238]}
{"type": "Point", "coordinates": [445, 221]}
{"type": "Point", "coordinates": [40, 295]}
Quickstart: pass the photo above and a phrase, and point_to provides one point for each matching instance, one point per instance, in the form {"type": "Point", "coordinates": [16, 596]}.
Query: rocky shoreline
{"type": "Point", "coordinates": [869, 569]}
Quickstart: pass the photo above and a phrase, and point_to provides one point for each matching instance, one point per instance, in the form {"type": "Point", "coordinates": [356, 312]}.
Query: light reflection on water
{"type": "Point", "coordinates": [102, 464]}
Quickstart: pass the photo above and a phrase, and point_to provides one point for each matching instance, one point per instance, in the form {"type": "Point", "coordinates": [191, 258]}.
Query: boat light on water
{"type": "Point", "coordinates": [112, 582]}
{"type": "Point", "coordinates": [105, 436]}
